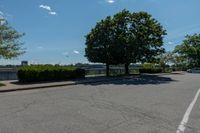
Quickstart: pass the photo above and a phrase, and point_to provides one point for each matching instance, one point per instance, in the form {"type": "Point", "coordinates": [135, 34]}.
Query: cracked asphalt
{"type": "Point", "coordinates": [139, 104]}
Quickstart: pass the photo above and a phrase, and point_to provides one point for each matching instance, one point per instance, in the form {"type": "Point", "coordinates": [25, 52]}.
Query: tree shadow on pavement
{"type": "Point", "coordinates": [136, 80]}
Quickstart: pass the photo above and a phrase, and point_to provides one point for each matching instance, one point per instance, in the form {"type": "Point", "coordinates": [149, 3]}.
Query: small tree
{"type": "Point", "coordinates": [166, 58]}
{"type": "Point", "coordinates": [190, 50]}
{"type": "Point", "coordinates": [180, 62]}
{"type": "Point", "coordinates": [10, 46]}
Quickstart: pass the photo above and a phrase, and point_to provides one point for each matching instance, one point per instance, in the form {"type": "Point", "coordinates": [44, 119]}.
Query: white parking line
{"type": "Point", "coordinates": [182, 126]}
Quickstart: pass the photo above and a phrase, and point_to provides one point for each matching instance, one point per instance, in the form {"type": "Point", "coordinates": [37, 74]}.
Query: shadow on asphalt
{"type": "Point", "coordinates": [137, 80]}
{"type": "Point", "coordinates": [129, 80]}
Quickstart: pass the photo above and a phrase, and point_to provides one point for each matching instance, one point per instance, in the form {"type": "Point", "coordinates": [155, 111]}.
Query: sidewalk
{"type": "Point", "coordinates": [13, 85]}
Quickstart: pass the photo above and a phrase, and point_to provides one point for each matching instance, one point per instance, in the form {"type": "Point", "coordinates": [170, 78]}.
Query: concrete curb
{"type": "Point", "coordinates": [34, 88]}
{"type": "Point", "coordinates": [56, 85]}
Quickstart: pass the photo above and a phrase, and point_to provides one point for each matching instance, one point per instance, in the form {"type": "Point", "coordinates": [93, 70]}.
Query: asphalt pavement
{"type": "Point", "coordinates": [138, 104]}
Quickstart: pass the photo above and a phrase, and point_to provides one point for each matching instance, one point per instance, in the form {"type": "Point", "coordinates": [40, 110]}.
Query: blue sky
{"type": "Point", "coordinates": [55, 29]}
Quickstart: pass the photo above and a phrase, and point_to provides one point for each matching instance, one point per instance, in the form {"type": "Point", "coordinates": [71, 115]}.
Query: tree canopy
{"type": "Point", "coordinates": [190, 49]}
{"type": "Point", "coordinates": [125, 38]}
{"type": "Point", "coordinates": [100, 43]}
{"type": "Point", "coordinates": [10, 45]}
{"type": "Point", "coordinates": [139, 37]}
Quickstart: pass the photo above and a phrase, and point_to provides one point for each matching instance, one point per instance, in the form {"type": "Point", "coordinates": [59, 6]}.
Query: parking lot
{"type": "Point", "coordinates": [138, 104]}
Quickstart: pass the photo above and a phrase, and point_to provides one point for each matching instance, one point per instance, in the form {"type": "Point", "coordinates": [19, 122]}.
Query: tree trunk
{"type": "Point", "coordinates": [126, 68]}
{"type": "Point", "coordinates": [107, 70]}
{"type": "Point", "coordinates": [163, 68]}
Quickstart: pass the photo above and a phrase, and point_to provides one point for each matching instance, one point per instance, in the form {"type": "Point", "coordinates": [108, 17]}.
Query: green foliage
{"type": "Point", "coordinates": [40, 73]}
{"type": "Point", "coordinates": [189, 50]}
{"type": "Point", "coordinates": [10, 46]}
{"type": "Point", "coordinates": [100, 42]}
{"type": "Point", "coordinates": [139, 37]}
{"type": "Point", "coordinates": [168, 57]}
{"type": "Point", "coordinates": [149, 68]}
{"type": "Point", "coordinates": [125, 38]}
{"type": "Point", "coordinates": [165, 59]}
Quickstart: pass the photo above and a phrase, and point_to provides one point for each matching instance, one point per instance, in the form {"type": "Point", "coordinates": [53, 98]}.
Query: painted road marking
{"type": "Point", "coordinates": [182, 126]}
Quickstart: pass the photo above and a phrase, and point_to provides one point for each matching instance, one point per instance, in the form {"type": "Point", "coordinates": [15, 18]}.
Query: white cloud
{"type": "Point", "coordinates": [46, 7]}
{"type": "Point", "coordinates": [52, 13]}
{"type": "Point", "coordinates": [110, 1]}
{"type": "Point", "coordinates": [76, 52]}
{"type": "Point", "coordinates": [170, 43]}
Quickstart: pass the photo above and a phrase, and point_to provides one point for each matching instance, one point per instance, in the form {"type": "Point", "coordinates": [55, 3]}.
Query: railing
{"type": "Point", "coordinates": [11, 73]}
{"type": "Point", "coordinates": [113, 71]}
{"type": "Point", "coordinates": [8, 74]}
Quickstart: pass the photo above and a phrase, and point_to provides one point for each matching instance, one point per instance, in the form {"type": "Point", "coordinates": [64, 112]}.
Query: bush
{"type": "Point", "coordinates": [148, 66]}
{"type": "Point", "coordinates": [39, 73]}
{"type": "Point", "coordinates": [150, 70]}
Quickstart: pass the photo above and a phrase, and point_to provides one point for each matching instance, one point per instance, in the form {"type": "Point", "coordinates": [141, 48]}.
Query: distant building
{"type": "Point", "coordinates": [24, 63]}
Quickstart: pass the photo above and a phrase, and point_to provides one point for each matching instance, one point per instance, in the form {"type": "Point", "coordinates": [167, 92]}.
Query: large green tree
{"type": "Point", "coordinates": [140, 37]}
{"type": "Point", "coordinates": [190, 50]}
{"type": "Point", "coordinates": [10, 45]}
{"type": "Point", "coordinates": [125, 38]}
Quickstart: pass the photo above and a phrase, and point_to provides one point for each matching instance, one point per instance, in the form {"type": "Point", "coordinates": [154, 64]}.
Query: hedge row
{"type": "Point", "coordinates": [41, 73]}
{"type": "Point", "coordinates": [150, 70]}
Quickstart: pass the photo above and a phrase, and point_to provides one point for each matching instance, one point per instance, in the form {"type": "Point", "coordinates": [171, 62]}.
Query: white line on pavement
{"type": "Point", "coordinates": [182, 126]}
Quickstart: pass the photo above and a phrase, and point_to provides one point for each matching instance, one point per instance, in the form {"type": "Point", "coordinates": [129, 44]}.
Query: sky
{"type": "Point", "coordinates": [55, 29]}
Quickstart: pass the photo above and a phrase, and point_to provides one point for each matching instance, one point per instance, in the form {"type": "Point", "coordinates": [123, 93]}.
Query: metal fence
{"type": "Point", "coordinates": [8, 74]}
{"type": "Point", "coordinates": [113, 71]}
{"type": "Point", "coordinates": [11, 73]}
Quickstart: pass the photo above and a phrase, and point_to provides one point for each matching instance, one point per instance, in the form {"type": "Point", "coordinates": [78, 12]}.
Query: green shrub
{"type": "Point", "coordinates": [39, 73]}
{"type": "Point", "coordinates": [148, 66]}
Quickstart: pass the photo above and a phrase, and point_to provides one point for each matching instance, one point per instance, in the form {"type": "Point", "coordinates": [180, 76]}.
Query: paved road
{"type": "Point", "coordinates": [147, 104]}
